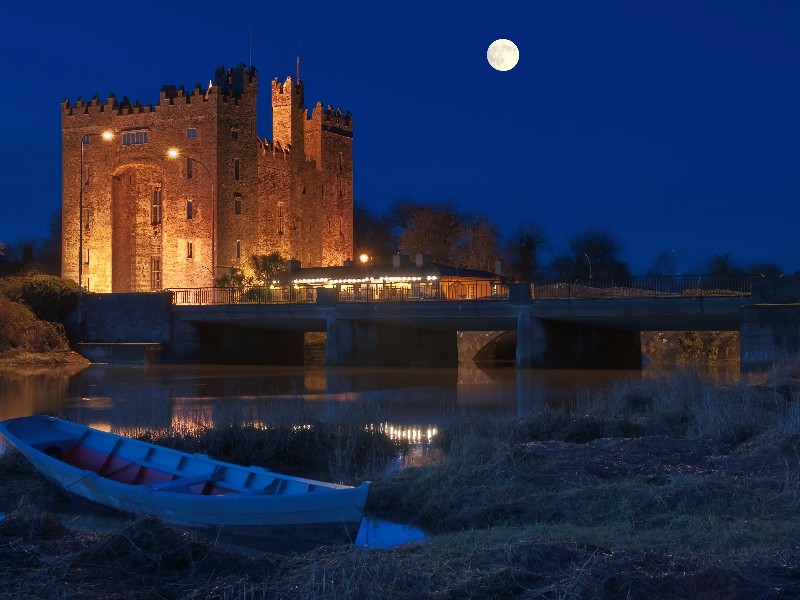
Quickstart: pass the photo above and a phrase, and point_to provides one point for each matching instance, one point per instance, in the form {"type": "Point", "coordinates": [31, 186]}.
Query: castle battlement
{"type": "Point", "coordinates": [171, 95]}
{"type": "Point", "coordinates": [332, 118]}
{"type": "Point", "coordinates": [275, 150]}
{"type": "Point", "coordinates": [286, 87]}
{"type": "Point", "coordinates": [159, 224]}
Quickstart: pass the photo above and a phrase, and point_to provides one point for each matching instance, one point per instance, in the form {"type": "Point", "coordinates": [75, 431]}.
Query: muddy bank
{"type": "Point", "coordinates": [671, 488]}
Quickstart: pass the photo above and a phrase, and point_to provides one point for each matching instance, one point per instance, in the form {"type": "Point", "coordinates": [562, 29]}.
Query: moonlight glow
{"type": "Point", "coordinates": [503, 55]}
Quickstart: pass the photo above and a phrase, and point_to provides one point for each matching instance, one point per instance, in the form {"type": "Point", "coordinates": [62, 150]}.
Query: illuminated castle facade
{"type": "Point", "coordinates": [150, 222]}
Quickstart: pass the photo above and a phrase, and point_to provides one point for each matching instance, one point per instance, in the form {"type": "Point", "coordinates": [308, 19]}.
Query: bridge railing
{"type": "Point", "coordinates": [243, 295]}
{"type": "Point", "coordinates": [639, 287]}
{"type": "Point", "coordinates": [635, 287]}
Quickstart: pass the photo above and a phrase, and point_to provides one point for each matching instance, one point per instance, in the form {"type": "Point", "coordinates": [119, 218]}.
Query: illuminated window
{"type": "Point", "coordinates": [155, 273]}
{"type": "Point", "coordinates": [131, 138]}
{"type": "Point", "coordinates": [189, 209]}
{"type": "Point", "coordinates": [191, 132]}
{"type": "Point", "coordinates": [155, 213]}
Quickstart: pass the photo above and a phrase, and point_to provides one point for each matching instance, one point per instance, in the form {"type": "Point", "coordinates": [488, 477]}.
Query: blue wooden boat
{"type": "Point", "coordinates": [246, 505]}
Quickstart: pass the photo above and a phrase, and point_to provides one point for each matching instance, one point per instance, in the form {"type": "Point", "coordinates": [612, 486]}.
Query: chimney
{"type": "Point", "coordinates": [400, 260]}
{"type": "Point", "coordinates": [498, 267]}
{"type": "Point", "coordinates": [423, 259]}
{"type": "Point", "coordinates": [292, 265]}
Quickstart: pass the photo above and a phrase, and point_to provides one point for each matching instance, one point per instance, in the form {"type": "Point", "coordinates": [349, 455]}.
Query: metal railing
{"type": "Point", "coordinates": [635, 287]}
{"type": "Point", "coordinates": [642, 287]}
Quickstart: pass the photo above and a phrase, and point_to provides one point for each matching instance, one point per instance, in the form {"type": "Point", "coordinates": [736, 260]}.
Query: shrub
{"type": "Point", "coordinates": [50, 298]}
{"type": "Point", "coordinates": [21, 330]}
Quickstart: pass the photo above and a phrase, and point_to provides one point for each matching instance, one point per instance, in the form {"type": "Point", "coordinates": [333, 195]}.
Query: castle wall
{"type": "Point", "coordinates": [268, 197]}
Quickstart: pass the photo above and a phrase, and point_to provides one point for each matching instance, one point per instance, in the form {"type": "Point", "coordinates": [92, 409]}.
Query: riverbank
{"type": "Point", "coordinates": [15, 358]}
{"type": "Point", "coordinates": [670, 487]}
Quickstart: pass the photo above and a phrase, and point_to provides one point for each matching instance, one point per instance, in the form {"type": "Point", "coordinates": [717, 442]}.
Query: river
{"type": "Point", "coordinates": [410, 402]}
{"type": "Point", "coordinates": [413, 404]}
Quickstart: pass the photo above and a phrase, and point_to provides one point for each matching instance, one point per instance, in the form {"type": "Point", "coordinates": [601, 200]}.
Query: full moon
{"type": "Point", "coordinates": [503, 55]}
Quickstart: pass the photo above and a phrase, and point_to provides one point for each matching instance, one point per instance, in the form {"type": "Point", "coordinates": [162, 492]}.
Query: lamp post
{"type": "Point", "coordinates": [173, 153]}
{"type": "Point", "coordinates": [107, 136]}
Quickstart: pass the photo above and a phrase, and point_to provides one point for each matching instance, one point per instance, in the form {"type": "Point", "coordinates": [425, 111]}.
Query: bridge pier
{"type": "Point", "coordinates": [353, 342]}
{"type": "Point", "coordinates": [549, 344]}
{"type": "Point", "coordinates": [770, 325]}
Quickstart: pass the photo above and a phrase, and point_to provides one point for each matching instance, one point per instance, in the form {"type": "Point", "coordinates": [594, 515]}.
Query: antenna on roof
{"type": "Point", "coordinates": [298, 70]}
{"type": "Point", "coordinates": [250, 41]}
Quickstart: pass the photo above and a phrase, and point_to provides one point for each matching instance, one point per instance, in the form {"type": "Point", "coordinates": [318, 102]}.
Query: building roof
{"type": "Point", "coordinates": [410, 272]}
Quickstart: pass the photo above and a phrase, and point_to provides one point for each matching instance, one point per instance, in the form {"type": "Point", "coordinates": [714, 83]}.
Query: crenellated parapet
{"type": "Point", "coordinates": [288, 93]}
{"type": "Point", "coordinates": [335, 121]}
{"type": "Point", "coordinates": [172, 95]}
{"type": "Point", "coordinates": [110, 107]}
{"type": "Point", "coordinates": [235, 82]}
{"type": "Point", "coordinates": [275, 150]}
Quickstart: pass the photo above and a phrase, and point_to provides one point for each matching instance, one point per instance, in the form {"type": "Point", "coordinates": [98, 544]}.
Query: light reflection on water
{"type": "Point", "coordinates": [411, 402]}
{"type": "Point", "coordinates": [408, 404]}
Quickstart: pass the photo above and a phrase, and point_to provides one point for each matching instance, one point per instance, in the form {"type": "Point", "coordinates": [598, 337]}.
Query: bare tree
{"type": "Point", "coordinates": [476, 247]}
{"type": "Point", "coordinates": [594, 254]}
{"type": "Point", "coordinates": [431, 229]}
{"type": "Point", "coordinates": [521, 251]}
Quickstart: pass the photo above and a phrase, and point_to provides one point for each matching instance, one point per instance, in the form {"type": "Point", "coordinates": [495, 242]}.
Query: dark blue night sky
{"type": "Point", "coordinates": [673, 124]}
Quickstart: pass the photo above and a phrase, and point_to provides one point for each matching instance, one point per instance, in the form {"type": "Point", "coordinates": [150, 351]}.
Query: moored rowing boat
{"type": "Point", "coordinates": [248, 505]}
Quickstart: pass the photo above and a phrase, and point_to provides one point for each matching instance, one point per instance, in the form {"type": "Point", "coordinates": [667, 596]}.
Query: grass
{"type": "Point", "coordinates": [668, 488]}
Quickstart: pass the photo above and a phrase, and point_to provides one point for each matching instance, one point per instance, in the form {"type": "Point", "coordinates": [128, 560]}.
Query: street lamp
{"type": "Point", "coordinates": [173, 153]}
{"type": "Point", "coordinates": [107, 136]}
{"type": "Point", "coordinates": [590, 264]}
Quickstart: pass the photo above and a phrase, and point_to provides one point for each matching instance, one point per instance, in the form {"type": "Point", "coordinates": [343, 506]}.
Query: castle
{"type": "Point", "coordinates": [151, 222]}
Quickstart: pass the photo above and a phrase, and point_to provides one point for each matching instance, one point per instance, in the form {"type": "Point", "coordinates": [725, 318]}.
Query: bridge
{"type": "Point", "coordinates": [577, 325]}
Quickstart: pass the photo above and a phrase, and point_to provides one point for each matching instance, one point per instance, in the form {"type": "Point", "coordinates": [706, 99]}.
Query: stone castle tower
{"type": "Point", "coordinates": [151, 222]}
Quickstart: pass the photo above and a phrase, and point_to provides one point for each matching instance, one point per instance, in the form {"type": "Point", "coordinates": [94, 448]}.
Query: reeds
{"type": "Point", "coordinates": [668, 488]}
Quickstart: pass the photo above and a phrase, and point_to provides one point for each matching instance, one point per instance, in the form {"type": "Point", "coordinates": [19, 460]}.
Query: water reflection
{"type": "Point", "coordinates": [411, 404]}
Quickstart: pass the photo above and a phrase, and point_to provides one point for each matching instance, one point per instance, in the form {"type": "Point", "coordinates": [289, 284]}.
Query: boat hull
{"type": "Point", "coordinates": [247, 505]}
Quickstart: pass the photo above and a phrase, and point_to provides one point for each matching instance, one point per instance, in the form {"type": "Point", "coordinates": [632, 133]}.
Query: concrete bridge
{"type": "Point", "coordinates": [568, 332]}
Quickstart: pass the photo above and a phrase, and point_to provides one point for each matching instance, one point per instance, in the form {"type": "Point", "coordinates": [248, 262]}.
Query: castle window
{"type": "Point", "coordinates": [236, 170]}
{"type": "Point", "coordinates": [88, 174]}
{"type": "Point", "coordinates": [130, 138]}
{"type": "Point", "coordinates": [189, 250]}
{"type": "Point", "coordinates": [191, 132]}
{"type": "Point", "coordinates": [155, 213]}
{"type": "Point", "coordinates": [86, 218]}
{"type": "Point", "coordinates": [237, 204]}
{"type": "Point", "coordinates": [280, 219]}
{"type": "Point", "coordinates": [234, 133]}
{"type": "Point", "coordinates": [238, 249]}
{"type": "Point", "coordinates": [189, 209]}
{"type": "Point", "coordinates": [86, 258]}
{"type": "Point", "coordinates": [189, 167]}
{"type": "Point", "coordinates": [155, 273]}
{"type": "Point", "coordinates": [340, 161]}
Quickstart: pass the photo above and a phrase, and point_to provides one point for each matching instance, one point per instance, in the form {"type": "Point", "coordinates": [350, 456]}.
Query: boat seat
{"type": "Point", "coordinates": [185, 482]}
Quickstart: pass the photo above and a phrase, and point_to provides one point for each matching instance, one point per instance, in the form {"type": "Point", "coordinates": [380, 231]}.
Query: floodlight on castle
{"type": "Point", "coordinates": [155, 223]}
